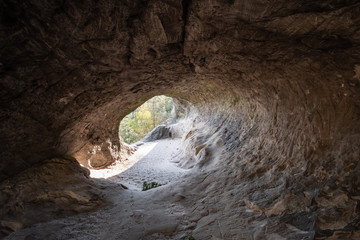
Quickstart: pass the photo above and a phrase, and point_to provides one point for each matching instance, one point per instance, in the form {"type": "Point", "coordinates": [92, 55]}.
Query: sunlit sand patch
{"type": "Point", "coordinates": [122, 166]}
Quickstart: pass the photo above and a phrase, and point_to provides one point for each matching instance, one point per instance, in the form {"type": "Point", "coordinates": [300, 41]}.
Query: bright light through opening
{"type": "Point", "coordinates": [156, 111]}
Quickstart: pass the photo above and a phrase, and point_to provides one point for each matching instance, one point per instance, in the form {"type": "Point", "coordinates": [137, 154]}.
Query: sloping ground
{"type": "Point", "coordinates": [152, 161]}
{"type": "Point", "coordinates": [271, 90]}
{"type": "Point", "coordinates": [132, 213]}
{"type": "Point", "coordinates": [191, 203]}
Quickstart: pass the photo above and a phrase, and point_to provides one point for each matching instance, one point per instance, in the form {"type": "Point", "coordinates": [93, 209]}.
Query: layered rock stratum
{"type": "Point", "coordinates": [271, 89]}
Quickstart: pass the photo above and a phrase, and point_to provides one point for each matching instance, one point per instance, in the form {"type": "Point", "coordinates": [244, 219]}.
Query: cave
{"type": "Point", "coordinates": [151, 120]}
{"type": "Point", "coordinates": [271, 137]}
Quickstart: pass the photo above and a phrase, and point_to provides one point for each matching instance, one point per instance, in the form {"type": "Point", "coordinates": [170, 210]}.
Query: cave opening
{"type": "Point", "coordinates": [269, 147]}
{"type": "Point", "coordinates": [152, 135]}
{"type": "Point", "coordinates": [157, 111]}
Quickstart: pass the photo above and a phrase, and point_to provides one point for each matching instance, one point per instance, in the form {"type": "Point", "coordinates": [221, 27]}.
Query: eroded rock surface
{"type": "Point", "coordinates": [159, 132]}
{"type": "Point", "coordinates": [54, 188]}
{"type": "Point", "coordinates": [272, 92]}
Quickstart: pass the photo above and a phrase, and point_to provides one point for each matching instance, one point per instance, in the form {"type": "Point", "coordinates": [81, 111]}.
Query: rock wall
{"type": "Point", "coordinates": [55, 188]}
{"type": "Point", "coordinates": [274, 88]}
{"type": "Point", "coordinates": [257, 158]}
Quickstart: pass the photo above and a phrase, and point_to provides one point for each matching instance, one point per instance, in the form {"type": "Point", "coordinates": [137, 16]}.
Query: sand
{"type": "Point", "coordinates": [131, 212]}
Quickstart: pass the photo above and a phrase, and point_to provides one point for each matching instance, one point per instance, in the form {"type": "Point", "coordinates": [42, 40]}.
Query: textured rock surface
{"type": "Point", "coordinates": [158, 132]}
{"type": "Point", "coordinates": [55, 188]}
{"type": "Point", "coordinates": [273, 91]}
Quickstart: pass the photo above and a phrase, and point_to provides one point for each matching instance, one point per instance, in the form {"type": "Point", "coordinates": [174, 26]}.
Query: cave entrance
{"type": "Point", "coordinates": [151, 162]}
{"type": "Point", "coordinates": [159, 110]}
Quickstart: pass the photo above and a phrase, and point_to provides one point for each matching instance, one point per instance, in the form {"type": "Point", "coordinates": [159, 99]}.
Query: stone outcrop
{"type": "Point", "coordinates": [101, 155]}
{"type": "Point", "coordinates": [159, 132]}
{"type": "Point", "coordinates": [272, 91]}
{"type": "Point", "coordinates": [54, 188]}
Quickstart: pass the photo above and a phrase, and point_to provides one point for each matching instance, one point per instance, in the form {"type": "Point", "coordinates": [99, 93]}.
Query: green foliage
{"type": "Point", "coordinates": [191, 238]}
{"type": "Point", "coordinates": [147, 186]}
{"type": "Point", "coordinates": [156, 111]}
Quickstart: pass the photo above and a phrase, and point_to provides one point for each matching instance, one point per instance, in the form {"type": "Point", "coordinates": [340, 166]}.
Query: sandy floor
{"type": "Point", "coordinates": [152, 161]}
{"type": "Point", "coordinates": [190, 203]}
{"type": "Point", "coordinates": [132, 213]}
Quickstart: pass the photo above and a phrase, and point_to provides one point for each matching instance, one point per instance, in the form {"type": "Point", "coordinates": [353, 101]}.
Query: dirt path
{"type": "Point", "coordinates": [133, 213]}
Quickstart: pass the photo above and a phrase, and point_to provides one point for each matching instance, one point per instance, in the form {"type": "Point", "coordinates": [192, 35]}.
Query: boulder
{"type": "Point", "coordinates": [159, 132]}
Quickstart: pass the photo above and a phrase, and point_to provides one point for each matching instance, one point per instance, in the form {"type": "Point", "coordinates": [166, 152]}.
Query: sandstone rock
{"type": "Point", "coordinates": [271, 88]}
{"type": "Point", "coordinates": [58, 187]}
{"type": "Point", "coordinates": [290, 203]}
{"type": "Point", "coordinates": [335, 212]}
{"type": "Point", "coordinates": [339, 199]}
{"type": "Point", "coordinates": [344, 235]}
{"type": "Point", "coordinates": [252, 206]}
{"type": "Point", "coordinates": [8, 227]}
{"type": "Point", "coordinates": [102, 155]}
{"type": "Point", "coordinates": [159, 132]}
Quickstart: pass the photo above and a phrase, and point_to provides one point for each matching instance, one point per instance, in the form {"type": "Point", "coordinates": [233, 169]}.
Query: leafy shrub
{"type": "Point", "coordinates": [147, 186]}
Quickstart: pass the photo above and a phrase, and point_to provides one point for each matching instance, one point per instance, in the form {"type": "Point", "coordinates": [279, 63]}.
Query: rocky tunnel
{"type": "Point", "coordinates": [271, 89]}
